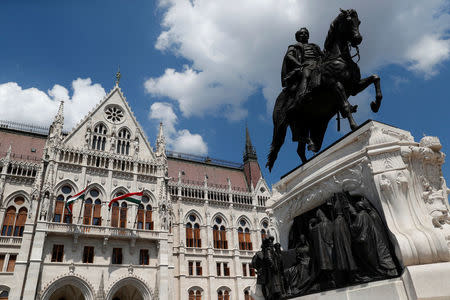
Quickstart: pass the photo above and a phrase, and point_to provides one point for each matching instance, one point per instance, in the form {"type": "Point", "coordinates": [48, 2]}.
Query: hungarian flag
{"type": "Point", "coordinates": [131, 197]}
{"type": "Point", "coordinates": [71, 200]}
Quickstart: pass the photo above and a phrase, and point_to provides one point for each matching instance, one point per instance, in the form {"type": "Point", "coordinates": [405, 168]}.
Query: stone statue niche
{"type": "Point", "coordinates": [340, 243]}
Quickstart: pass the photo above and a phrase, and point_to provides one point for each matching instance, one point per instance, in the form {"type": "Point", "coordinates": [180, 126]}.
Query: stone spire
{"type": "Point", "coordinates": [249, 152]}
{"type": "Point", "coordinates": [252, 170]}
{"type": "Point", "coordinates": [59, 118]}
{"type": "Point", "coordinates": [161, 141]}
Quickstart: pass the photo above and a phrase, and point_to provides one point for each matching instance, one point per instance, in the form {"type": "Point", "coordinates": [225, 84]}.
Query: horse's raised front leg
{"type": "Point", "coordinates": [301, 150]}
{"type": "Point", "coordinates": [364, 83]}
{"type": "Point", "coordinates": [344, 107]}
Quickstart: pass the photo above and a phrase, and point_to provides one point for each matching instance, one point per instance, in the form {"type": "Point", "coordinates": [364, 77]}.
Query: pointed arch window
{"type": "Point", "coordinates": [193, 238]}
{"type": "Point", "coordinates": [115, 215]}
{"type": "Point", "coordinates": [97, 218]}
{"type": "Point", "coordinates": [99, 137]}
{"type": "Point", "coordinates": [20, 221]}
{"type": "Point", "coordinates": [223, 295]}
{"type": "Point", "coordinates": [92, 208]}
{"type": "Point", "coordinates": [14, 222]}
{"type": "Point", "coordinates": [123, 142]}
{"type": "Point", "coordinates": [247, 295]}
{"type": "Point", "coordinates": [195, 294]}
{"type": "Point", "coordinates": [8, 222]}
{"type": "Point", "coordinates": [62, 213]}
{"type": "Point", "coordinates": [123, 215]}
{"type": "Point", "coordinates": [219, 234]}
{"type": "Point", "coordinates": [245, 242]}
{"type": "Point", "coordinates": [265, 225]}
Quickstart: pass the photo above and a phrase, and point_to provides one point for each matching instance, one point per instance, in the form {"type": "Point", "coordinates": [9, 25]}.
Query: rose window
{"type": "Point", "coordinates": [114, 114]}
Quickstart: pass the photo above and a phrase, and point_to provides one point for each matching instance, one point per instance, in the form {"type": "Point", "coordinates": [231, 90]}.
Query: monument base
{"type": "Point", "coordinates": [402, 179]}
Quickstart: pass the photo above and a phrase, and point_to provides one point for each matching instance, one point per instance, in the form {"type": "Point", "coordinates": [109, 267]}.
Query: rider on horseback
{"type": "Point", "coordinates": [299, 72]}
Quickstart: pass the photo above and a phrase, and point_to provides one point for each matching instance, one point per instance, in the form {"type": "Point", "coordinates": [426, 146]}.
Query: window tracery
{"type": "Point", "coordinates": [245, 242]}
{"type": "Point", "coordinates": [123, 142]}
{"type": "Point", "coordinates": [62, 213]}
{"type": "Point", "coordinates": [15, 218]}
{"type": "Point", "coordinates": [99, 137]}
{"type": "Point", "coordinates": [219, 234]}
{"type": "Point", "coordinates": [193, 232]}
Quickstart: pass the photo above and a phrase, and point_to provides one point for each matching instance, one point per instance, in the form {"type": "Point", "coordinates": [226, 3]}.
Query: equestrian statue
{"type": "Point", "coordinates": [316, 86]}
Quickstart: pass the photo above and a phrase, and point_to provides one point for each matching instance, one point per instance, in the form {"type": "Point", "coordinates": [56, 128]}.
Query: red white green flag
{"type": "Point", "coordinates": [80, 195]}
{"type": "Point", "coordinates": [130, 197]}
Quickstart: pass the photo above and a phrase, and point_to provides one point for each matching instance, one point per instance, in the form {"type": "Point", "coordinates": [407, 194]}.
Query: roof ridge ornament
{"type": "Point", "coordinates": [118, 76]}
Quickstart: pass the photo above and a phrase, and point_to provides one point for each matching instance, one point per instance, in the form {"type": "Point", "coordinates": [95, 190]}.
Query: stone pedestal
{"type": "Point", "coordinates": [403, 180]}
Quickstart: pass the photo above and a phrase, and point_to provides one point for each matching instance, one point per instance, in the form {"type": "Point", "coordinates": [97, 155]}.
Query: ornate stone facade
{"type": "Point", "coordinates": [188, 237]}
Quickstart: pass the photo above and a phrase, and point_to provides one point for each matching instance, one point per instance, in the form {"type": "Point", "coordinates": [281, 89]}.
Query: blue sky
{"type": "Point", "coordinates": [207, 68]}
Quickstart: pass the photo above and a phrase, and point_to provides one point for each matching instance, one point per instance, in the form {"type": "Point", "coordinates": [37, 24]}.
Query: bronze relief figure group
{"type": "Point", "coordinates": [340, 243]}
{"type": "Point", "coordinates": [317, 84]}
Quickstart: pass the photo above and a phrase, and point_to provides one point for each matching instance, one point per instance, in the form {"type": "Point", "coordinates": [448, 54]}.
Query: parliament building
{"type": "Point", "coordinates": [192, 237]}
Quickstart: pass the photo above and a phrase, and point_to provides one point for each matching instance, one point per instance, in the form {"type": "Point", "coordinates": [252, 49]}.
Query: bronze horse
{"type": "Point", "coordinates": [340, 77]}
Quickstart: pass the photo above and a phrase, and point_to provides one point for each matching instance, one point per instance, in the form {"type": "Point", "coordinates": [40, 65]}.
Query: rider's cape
{"type": "Point", "coordinates": [288, 69]}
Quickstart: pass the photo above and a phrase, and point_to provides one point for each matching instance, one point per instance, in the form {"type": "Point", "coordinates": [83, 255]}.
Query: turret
{"type": "Point", "coordinates": [251, 167]}
{"type": "Point", "coordinates": [160, 141]}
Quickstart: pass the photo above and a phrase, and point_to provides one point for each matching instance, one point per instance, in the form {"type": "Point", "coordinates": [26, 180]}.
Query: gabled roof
{"type": "Point", "coordinates": [25, 146]}
{"type": "Point", "coordinates": [194, 172]}
{"type": "Point", "coordinates": [115, 93]}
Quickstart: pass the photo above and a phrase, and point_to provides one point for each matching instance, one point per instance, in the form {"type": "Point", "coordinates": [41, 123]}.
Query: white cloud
{"type": "Point", "coordinates": [237, 46]}
{"type": "Point", "coordinates": [178, 140]}
{"type": "Point", "coordinates": [21, 105]}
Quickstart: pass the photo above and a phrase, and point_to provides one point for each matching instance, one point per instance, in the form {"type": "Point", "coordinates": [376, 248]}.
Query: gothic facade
{"type": "Point", "coordinates": [192, 236]}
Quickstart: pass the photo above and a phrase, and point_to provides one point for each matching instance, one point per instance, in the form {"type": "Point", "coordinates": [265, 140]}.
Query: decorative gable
{"type": "Point", "coordinates": [111, 127]}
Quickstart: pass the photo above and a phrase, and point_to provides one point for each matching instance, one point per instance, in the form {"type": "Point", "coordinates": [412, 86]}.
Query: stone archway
{"type": "Point", "coordinates": [67, 292]}
{"type": "Point", "coordinates": [68, 288]}
{"type": "Point", "coordinates": [129, 288]}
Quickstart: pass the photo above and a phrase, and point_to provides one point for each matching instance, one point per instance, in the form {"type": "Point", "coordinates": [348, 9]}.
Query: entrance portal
{"type": "Point", "coordinates": [128, 292]}
{"type": "Point", "coordinates": [67, 292]}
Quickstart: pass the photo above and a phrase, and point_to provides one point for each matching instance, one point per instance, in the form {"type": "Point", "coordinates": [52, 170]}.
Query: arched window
{"type": "Point", "coordinates": [119, 212]}
{"type": "Point", "coordinates": [148, 217]}
{"type": "Point", "coordinates": [245, 242]}
{"type": "Point", "coordinates": [123, 215]}
{"type": "Point", "coordinates": [193, 233]}
{"type": "Point", "coordinates": [14, 223]}
{"type": "Point", "coordinates": [144, 216]}
{"type": "Point", "coordinates": [20, 221]}
{"type": "Point", "coordinates": [140, 217]}
{"type": "Point", "coordinates": [92, 212]}
{"type": "Point", "coordinates": [8, 222]}
{"type": "Point", "coordinates": [99, 137]}
{"type": "Point", "coordinates": [4, 294]}
{"type": "Point", "coordinates": [265, 225]}
{"type": "Point", "coordinates": [223, 294]}
{"type": "Point", "coordinates": [97, 219]}
{"type": "Point", "coordinates": [123, 142]}
{"type": "Point", "coordinates": [247, 295]}
{"type": "Point", "coordinates": [60, 208]}
{"type": "Point", "coordinates": [87, 211]}
{"type": "Point", "coordinates": [115, 215]}
{"type": "Point", "coordinates": [219, 234]}
{"type": "Point", "coordinates": [195, 294]}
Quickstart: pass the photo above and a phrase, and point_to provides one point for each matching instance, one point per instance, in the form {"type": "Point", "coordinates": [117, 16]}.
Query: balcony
{"type": "Point", "coordinates": [10, 241]}
{"type": "Point", "coordinates": [104, 231]}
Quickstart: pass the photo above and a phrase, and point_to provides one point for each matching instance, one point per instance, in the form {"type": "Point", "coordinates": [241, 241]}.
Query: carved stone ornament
{"type": "Point", "coordinates": [402, 178]}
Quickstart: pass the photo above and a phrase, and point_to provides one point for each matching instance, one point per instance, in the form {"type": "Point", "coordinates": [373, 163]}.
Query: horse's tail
{"type": "Point", "coordinates": [279, 129]}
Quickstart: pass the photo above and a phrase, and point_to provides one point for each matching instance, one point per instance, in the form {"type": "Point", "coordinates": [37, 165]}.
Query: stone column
{"type": "Point", "coordinates": [163, 268]}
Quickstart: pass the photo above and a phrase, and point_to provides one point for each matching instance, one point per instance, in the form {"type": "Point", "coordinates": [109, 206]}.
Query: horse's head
{"type": "Point", "coordinates": [349, 25]}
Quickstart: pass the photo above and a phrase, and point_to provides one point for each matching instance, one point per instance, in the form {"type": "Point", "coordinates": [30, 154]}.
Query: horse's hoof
{"type": "Point", "coordinates": [353, 127]}
{"type": "Point", "coordinates": [374, 106]}
{"type": "Point", "coordinates": [354, 108]}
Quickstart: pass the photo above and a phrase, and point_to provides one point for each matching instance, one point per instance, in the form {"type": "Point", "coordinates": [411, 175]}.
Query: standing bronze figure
{"type": "Point", "coordinates": [316, 86]}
